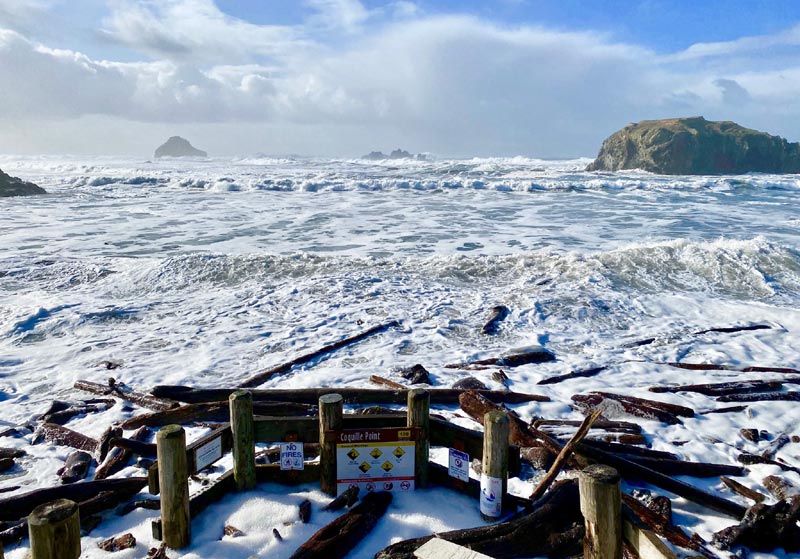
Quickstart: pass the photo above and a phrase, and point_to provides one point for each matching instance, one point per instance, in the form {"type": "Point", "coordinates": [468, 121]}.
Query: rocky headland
{"type": "Point", "coordinates": [696, 146]}
{"type": "Point", "coordinates": [179, 147]}
{"type": "Point", "coordinates": [12, 186]}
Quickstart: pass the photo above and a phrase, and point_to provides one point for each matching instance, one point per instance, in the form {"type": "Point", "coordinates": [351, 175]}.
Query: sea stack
{"type": "Point", "coordinates": [12, 186]}
{"type": "Point", "coordinates": [696, 146]}
{"type": "Point", "coordinates": [179, 147]}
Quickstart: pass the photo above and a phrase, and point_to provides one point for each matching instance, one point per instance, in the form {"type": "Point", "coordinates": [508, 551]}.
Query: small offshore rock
{"type": "Point", "coordinates": [416, 375]}
{"type": "Point", "coordinates": [12, 186]}
{"type": "Point", "coordinates": [178, 147]}
{"type": "Point", "coordinates": [469, 383]}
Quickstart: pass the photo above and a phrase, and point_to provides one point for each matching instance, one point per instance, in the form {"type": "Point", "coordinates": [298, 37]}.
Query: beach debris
{"type": "Point", "coordinates": [213, 411]}
{"type": "Point", "coordinates": [119, 457]}
{"type": "Point", "coordinates": [616, 405]}
{"type": "Point", "coordinates": [416, 374]}
{"type": "Point", "coordinates": [60, 435]}
{"type": "Point", "coordinates": [110, 365]}
{"type": "Point", "coordinates": [749, 459]}
{"type": "Point", "coordinates": [778, 443]}
{"type": "Point", "coordinates": [501, 377]}
{"type": "Point", "coordinates": [305, 511]}
{"type": "Point", "coordinates": [469, 383]}
{"type": "Point", "coordinates": [351, 395]}
{"type": "Point", "coordinates": [793, 396]}
{"type": "Point", "coordinates": [277, 534]}
{"type": "Point", "coordinates": [538, 457]}
{"type": "Point", "coordinates": [76, 467]}
{"type": "Point", "coordinates": [61, 412]}
{"type": "Point", "coordinates": [262, 377]}
{"type": "Point", "coordinates": [765, 528]}
{"type": "Point", "coordinates": [497, 315]}
{"type": "Point", "coordinates": [338, 538]}
{"type": "Point", "coordinates": [158, 553]}
{"type": "Point", "coordinates": [232, 531]}
{"type": "Point", "coordinates": [584, 373]}
{"type": "Point", "coordinates": [346, 499]}
{"type": "Point", "coordinates": [742, 490]}
{"type": "Point", "coordinates": [727, 409]}
{"type": "Point", "coordinates": [554, 528]}
{"type": "Point", "coordinates": [779, 487]}
{"type": "Point", "coordinates": [125, 541]}
{"type": "Point", "coordinates": [733, 329]}
{"type": "Point", "coordinates": [512, 358]}
{"type": "Point", "coordinates": [104, 444]}
{"type": "Point", "coordinates": [113, 388]}
{"type": "Point", "coordinates": [717, 367]}
{"type": "Point", "coordinates": [750, 434]}
{"type": "Point", "coordinates": [724, 388]}
{"type": "Point", "coordinates": [6, 464]}
{"type": "Point", "coordinates": [143, 449]}
{"type": "Point", "coordinates": [382, 381]}
{"type": "Point", "coordinates": [130, 506]}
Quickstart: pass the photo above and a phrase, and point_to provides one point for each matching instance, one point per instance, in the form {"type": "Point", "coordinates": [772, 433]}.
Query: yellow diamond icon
{"type": "Point", "coordinates": [364, 467]}
{"type": "Point", "coordinates": [387, 466]}
{"type": "Point", "coordinates": [353, 454]}
{"type": "Point", "coordinates": [398, 452]}
{"type": "Point", "coordinates": [376, 453]}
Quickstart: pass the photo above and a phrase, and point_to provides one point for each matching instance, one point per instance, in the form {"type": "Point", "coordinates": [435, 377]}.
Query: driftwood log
{"type": "Point", "coordinates": [60, 435]}
{"type": "Point", "coordinates": [346, 499]}
{"type": "Point", "coordinates": [723, 388]}
{"type": "Point", "coordinates": [383, 381]}
{"type": "Point", "coordinates": [350, 395]}
{"type": "Point", "coordinates": [779, 488]}
{"type": "Point", "coordinates": [262, 377]}
{"type": "Point", "coordinates": [514, 358]}
{"type": "Point", "coordinates": [715, 367]}
{"type": "Point", "coordinates": [213, 411]}
{"type": "Point", "coordinates": [61, 412]}
{"type": "Point", "coordinates": [742, 490]}
{"type": "Point", "coordinates": [554, 528]}
{"type": "Point", "coordinates": [76, 467]}
{"type": "Point", "coordinates": [585, 373]}
{"type": "Point", "coordinates": [119, 457]}
{"type": "Point", "coordinates": [338, 538]}
{"type": "Point", "coordinates": [793, 396]}
{"type": "Point", "coordinates": [749, 459]}
{"type": "Point", "coordinates": [120, 391]}
{"type": "Point", "coordinates": [125, 541]}
{"type": "Point", "coordinates": [618, 404]}
{"type": "Point", "coordinates": [765, 528]}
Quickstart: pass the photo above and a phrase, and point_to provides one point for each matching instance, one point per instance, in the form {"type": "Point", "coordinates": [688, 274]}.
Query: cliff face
{"type": "Point", "coordinates": [12, 186]}
{"type": "Point", "coordinates": [179, 147]}
{"type": "Point", "coordinates": [696, 146]}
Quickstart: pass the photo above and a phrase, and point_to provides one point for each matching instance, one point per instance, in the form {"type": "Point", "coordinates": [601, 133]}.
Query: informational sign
{"type": "Point", "coordinates": [491, 496]}
{"type": "Point", "coordinates": [375, 459]}
{"type": "Point", "coordinates": [208, 453]}
{"type": "Point", "coordinates": [458, 466]}
{"type": "Point", "coordinates": [292, 456]}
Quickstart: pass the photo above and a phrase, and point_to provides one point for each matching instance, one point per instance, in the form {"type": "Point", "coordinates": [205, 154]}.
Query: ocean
{"type": "Point", "coordinates": [203, 272]}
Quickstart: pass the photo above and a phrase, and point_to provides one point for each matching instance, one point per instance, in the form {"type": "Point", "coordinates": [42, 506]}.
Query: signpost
{"type": "Point", "coordinates": [375, 459]}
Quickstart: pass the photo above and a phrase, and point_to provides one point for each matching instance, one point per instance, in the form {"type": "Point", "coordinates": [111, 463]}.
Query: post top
{"type": "Point", "coordinates": [330, 399]}
{"type": "Point", "coordinates": [418, 392]}
{"type": "Point", "coordinates": [496, 417]}
{"type": "Point", "coordinates": [600, 473]}
{"type": "Point", "coordinates": [170, 431]}
{"type": "Point", "coordinates": [52, 512]}
{"type": "Point", "coordinates": [240, 394]}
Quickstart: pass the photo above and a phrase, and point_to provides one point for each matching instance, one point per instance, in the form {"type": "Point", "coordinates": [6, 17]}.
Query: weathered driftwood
{"type": "Point", "coordinates": [617, 404]}
{"type": "Point", "coordinates": [12, 453]}
{"type": "Point", "coordinates": [604, 424]}
{"type": "Point", "coordinates": [623, 438]}
{"type": "Point", "coordinates": [104, 444]}
{"type": "Point", "coordinates": [715, 367]}
{"type": "Point", "coordinates": [264, 376]}
{"type": "Point", "coordinates": [76, 467]}
{"type": "Point", "coordinates": [777, 444]}
{"type": "Point", "coordinates": [60, 435]}
{"type": "Point", "coordinates": [793, 396]}
{"type": "Point", "coordinates": [338, 538]}
{"type": "Point", "coordinates": [115, 389]}
{"type": "Point", "coordinates": [18, 506]}
{"type": "Point", "coordinates": [132, 505]}
{"type": "Point", "coordinates": [158, 553]}
{"type": "Point", "coordinates": [6, 464]}
{"type": "Point", "coordinates": [732, 329]}
{"type": "Point", "coordinates": [514, 358]}
{"type": "Point", "coordinates": [765, 528]}
{"type": "Point", "coordinates": [723, 388]}
{"type": "Point", "coordinates": [497, 315]}
{"type": "Point", "coordinates": [304, 511]}
{"type": "Point", "coordinates": [381, 381]}
{"type": "Point", "coordinates": [684, 468]}
{"type": "Point", "coordinates": [727, 409]}
{"type": "Point", "coordinates": [742, 490]}
{"type": "Point", "coordinates": [469, 383]}
{"type": "Point", "coordinates": [232, 531]}
{"type": "Point", "coordinates": [213, 411]}
{"type": "Point", "coordinates": [125, 541]}
{"type": "Point", "coordinates": [146, 450]}
{"type": "Point", "coordinates": [573, 374]}
{"type": "Point", "coordinates": [346, 499]}
{"type": "Point", "coordinates": [350, 395]}
{"type": "Point", "coordinates": [749, 459]}
{"type": "Point", "coordinates": [661, 525]}
{"type": "Point", "coordinates": [61, 412]}
{"type": "Point", "coordinates": [550, 477]}
{"type": "Point", "coordinates": [554, 528]}
{"type": "Point", "coordinates": [631, 450]}
{"type": "Point", "coordinates": [780, 488]}
{"type": "Point", "coordinates": [119, 457]}
{"type": "Point", "coordinates": [501, 377]}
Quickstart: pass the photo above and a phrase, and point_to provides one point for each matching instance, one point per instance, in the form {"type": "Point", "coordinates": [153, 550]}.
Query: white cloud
{"type": "Point", "coordinates": [344, 15]}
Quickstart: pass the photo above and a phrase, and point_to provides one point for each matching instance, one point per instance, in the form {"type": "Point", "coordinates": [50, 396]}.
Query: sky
{"type": "Point", "coordinates": [340, 78]}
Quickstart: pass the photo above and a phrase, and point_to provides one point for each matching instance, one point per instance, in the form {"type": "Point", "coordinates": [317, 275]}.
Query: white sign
{"type": "Point", "coordinates": [491, 496]}
{"type": "Point", "coordinates": [292, 456]}
{"type": "Point", "coordinates": [459, 465]}
{"type": "Point", "coordinates": [208, 453]}
{"type": "Point", "coordinates": [386, 463]}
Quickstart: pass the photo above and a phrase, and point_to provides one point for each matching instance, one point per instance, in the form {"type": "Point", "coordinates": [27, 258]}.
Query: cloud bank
{"type": "Point", "coordinates": [348, 79]}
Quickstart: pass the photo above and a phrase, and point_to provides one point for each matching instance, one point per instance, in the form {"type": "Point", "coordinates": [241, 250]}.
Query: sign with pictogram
{"type": "Point", "coordinates": [375, 459]}
{"type": "Point", "coordinates": [458, 466]}
{"type": "Point", "coordinates": [292, 456]}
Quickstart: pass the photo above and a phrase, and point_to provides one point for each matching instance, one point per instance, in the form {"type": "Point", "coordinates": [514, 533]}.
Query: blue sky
{"type": "Point", "coordinates": [546, 78]}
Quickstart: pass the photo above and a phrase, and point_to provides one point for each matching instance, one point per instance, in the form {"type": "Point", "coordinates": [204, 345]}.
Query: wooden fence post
{"type": "Point", "coordinates": [55, 530]}
{"type": "Point", "coordinates": [242, 428]}
{"type": "Point", "coordinates": [601, 508]}
{"type": "Point", "coordinates": [330, 419]}
{"type": "Point", "coordinates": [494, 475]}
{"type": "Point", "coordinates": [419, 405]}
{"type": "Point", "coordinates": [173, 481]}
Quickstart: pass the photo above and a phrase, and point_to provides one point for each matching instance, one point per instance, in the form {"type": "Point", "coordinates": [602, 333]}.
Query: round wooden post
{"type": "Point", "coordinates": [55, 530]}
{"type": "Point", "coordinates": [330, 419]}
{"type": "Point", "coordinates": [419, 405]}
{"type": "Point", "coordinates": [173, 481]}
{"type": "Point", "coordinates": [601, 509]}
{"type": "Point", "coordinates": [242, 426]}
{"type": "Point", "coordinates": [494, 475]}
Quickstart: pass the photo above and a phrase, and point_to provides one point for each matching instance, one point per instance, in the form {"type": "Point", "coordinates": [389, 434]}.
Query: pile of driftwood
{"type": "Point", "coordinates": [549, 524]}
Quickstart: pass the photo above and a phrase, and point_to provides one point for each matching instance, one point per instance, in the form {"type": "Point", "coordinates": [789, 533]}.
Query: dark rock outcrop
{"type": "Point", "coordinates": [696, 146]}
{"type": "Point", "coordinates": [396, 154]}
{"type": "Point", "coordinates": [179, 147]}
{"type": "Point", "coordinates": [12, 186]}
